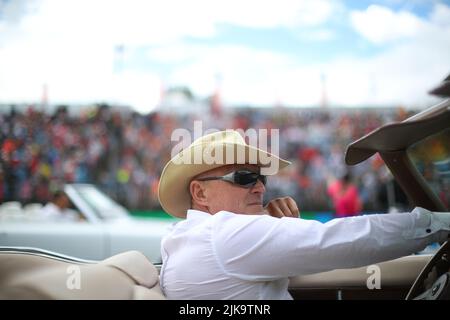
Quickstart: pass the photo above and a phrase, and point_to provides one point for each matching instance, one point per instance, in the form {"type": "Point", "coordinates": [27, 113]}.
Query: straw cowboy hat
{"type": "Point", "coordinates": [206, 153]}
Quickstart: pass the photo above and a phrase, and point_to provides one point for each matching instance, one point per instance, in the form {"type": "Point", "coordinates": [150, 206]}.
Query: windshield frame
{"type": "Point", "coordinates": [391, 141]}
{"type": "Point", "coordinates": [433, 154]}
{"type": "Point", "coordinates": [79, 196]}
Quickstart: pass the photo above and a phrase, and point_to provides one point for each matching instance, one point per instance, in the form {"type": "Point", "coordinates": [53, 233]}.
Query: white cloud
{"type": "Point", "coordinates": [137, 89]}
{"type": "Point", "coordinates": [137, 22]}
{"type": "Point", "coordinates": [70, 71]}
{"type": "Point", "coordinates": [270, 14]}
{"type": "Point", "coordinates": [441, 15]}
{"type": "Point", "coordinates": [400, 75]}
{"type": "Point", "coordinates": [316, 34]}
{"type": "Point", "coordinates": [381, 25]}
{"type": "Point", "coordinates": [69, 45]}
{"type": "Point", "coordinates": [13, 11]}
{"type": "Point", "coordinates": [414, 56]}
{"type": "Point", "coordinates": [247, 75]}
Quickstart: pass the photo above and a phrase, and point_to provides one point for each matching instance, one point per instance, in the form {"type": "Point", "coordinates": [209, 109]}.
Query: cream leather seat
{"type": "Point", "coordinates": [128, 275]}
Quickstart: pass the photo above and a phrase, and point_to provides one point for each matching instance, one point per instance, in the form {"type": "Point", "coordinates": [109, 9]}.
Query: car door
{"type": "Point", "coordinates": [137, 234]}
{"type": "Point", "coordinates": [80, 239]}
{"type": "Point", "coordinates": [386, 280]}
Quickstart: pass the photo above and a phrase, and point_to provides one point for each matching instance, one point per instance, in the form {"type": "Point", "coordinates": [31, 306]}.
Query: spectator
{"type": "Point", "coordinates": [345, 197]}
{"type": "Point", "coordinates": [58, 209]}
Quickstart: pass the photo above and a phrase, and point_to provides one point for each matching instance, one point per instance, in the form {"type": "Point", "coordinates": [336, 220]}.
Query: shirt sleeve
{"type": "Point", "coordinates": [261, 248]}
{"type": "Point", "coordinates": [428, 223]}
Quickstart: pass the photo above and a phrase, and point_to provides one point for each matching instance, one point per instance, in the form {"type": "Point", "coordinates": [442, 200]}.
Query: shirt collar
{"type": "Point", "coordinates": [195, 214]}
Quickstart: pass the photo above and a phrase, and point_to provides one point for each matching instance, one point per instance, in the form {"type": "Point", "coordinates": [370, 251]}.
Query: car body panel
{"type": "Point", "coordinates": [396, 272]}
{"type": "Point", "coordinates": [396, 278]}
{"type": "Point", "coordinates": [79, 240]}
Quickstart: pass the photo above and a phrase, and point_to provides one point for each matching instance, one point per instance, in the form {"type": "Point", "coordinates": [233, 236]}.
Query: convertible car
{"type": "Point", "coordinates": [105, 228]}
{"type": "Point", "coordinates": [417, 152]}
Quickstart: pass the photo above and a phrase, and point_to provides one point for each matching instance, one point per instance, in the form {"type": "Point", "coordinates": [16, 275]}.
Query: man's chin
{"type": "Point", "coordinates": [255, 208]}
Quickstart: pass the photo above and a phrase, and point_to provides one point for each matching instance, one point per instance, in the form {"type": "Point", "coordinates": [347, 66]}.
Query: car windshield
{"type": "Point", "coordinates": [431, 157]}
{"type": "Point", "coordinates": [104, 207]}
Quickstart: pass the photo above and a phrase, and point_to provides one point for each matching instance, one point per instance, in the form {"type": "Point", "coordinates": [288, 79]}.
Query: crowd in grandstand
{"type": "Point", "coordinates": [123, 153]}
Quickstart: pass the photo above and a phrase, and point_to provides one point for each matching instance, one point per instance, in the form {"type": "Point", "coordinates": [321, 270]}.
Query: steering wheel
{"type": "Point", "coordinates": [433, 283]}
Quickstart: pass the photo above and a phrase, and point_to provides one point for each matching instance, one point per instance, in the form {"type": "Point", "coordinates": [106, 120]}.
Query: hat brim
{"type": "Point", "coordinates": [173, 189]}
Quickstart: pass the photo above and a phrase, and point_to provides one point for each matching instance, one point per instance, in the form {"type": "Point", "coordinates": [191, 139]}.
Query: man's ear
{"type": "Point", "coordinates": [198, 193]}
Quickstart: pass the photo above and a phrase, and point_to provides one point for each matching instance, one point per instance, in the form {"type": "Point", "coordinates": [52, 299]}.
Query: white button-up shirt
{"type": "Point", "coordinates": [236, 256]}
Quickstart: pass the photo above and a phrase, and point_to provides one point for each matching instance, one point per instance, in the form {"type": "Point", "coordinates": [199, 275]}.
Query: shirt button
{"type": "Point", "coordinates": [428, 230]}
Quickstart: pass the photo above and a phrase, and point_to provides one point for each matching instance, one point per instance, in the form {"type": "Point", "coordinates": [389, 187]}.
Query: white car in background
{"type": "Point", "coordinates": [106, 229]}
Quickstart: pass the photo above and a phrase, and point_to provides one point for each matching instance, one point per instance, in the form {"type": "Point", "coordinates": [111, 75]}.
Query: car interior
{"type": "Point", "coordinates": [27, 273]}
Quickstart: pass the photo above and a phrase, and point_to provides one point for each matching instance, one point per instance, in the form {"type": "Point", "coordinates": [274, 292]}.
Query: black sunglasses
{"type": "Point", "coordinates": [243, 178]}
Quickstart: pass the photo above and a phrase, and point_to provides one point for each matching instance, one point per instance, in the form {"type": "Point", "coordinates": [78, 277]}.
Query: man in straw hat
{"type": "Point", "coordinates": [231, 247]}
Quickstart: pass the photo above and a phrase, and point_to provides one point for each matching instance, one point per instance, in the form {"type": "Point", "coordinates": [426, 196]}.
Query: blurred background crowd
{"type": "Point", "coordinates": [123, 152]}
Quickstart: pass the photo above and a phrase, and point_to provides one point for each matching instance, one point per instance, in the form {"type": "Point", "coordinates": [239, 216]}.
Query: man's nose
{"type": "Point", "coordinates": [259, 187]}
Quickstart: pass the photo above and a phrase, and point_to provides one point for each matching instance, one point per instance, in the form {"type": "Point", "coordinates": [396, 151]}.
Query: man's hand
{"type": "Point", "coordinates": [282, 207]}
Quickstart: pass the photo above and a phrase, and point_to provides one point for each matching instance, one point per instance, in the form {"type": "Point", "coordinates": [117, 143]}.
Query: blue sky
{"type": "Point", "coordinates": [381, 53]}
